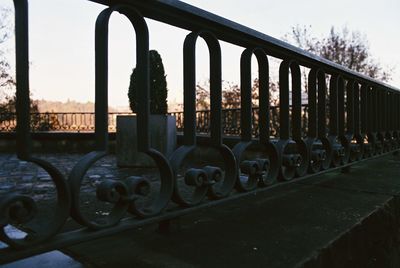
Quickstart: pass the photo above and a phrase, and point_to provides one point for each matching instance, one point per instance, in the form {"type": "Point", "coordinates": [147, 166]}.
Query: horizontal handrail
{"type": "Point", "coordinates": [192, 18]}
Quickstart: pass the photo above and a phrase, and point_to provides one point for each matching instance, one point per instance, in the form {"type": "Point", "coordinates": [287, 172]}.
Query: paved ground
{"type": "Point", "coordinates": [282, 227]}
{"type": "Point", "coordinates": [29, 179]}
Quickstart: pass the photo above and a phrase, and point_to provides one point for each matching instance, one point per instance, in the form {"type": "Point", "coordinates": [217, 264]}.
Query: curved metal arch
{"type": "Point", "coordinates": [258, 171]}
{"type": "Point", "coordinates": [296, 145]}
{"type": "Point", "coordinates": [126, 198]}
{"type": "Point", "coordinates": [336, 121]}
{"type": "Point", "coordinates": [294, 68]}
{"type": "Point", "coordinates": [189, 87]}
{"type": "Point", "coordinates": [203, 180]}
{"type": "Point", "coordinates": [101, 75]}
{"type": "Point", "coordinates": [246, 98]}
{"type": "Point", "coordinates": [320, 147]}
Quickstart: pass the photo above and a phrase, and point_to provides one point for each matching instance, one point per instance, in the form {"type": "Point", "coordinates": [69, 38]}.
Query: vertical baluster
{"type": "Point", "coordinates": [365, 119]}
{"type": "Point", "coordinates": [294, 153]}
{"type": "Point", "coordinates": [358, 143]}
{"type": "Point", "coordinates": [336, 85]}
{"type": "Point", "coordinates": [22, 78]}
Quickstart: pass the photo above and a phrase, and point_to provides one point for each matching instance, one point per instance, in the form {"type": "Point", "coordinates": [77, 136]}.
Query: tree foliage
{"type": "Point", "coordinates": [345, 47]}
{"type": "Point", "coordinates": [203, 96]}
{"type": "Point", "coordinates": [158, 86]}
{"type": "Point", "coordinates": [7, 81]}
{"type": "Point", "coordinates": [231, 95]}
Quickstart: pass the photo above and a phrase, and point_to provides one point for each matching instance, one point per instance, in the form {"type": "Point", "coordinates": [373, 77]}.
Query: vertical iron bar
{"type": "Point", "coordinates": [247, 112]}
{"type": "Point", "coordinates": [296, 100]}
{"type": "Point", "coordinates": [321, 104]}
{"type": "Point", "coordinates": [384, 111]}
{"type": "Point", "coordinates": [284, 101]}
{"type": "Point", "coordinates": [143, 83]}
{"type": "Point", "coordinates": [364, 107]}
{"type": "Point", "coordinates": [101, 81]}
{"type": "Point", "coordinates": [189, 86]}
{"type": "Point", "coordinates": [263, 96]}
{"type": "Point", "coordinates": [374, 110]}
{"type": "Point", "coordinates": [397, 113]}
{"type": "Point", "coordinates": [390, 111]}
{"type": "Point", "coordinates": [312, 103]}
{"type": "Point", "coordinates": [356, 110]}
{"type": "Point", "coordinates": [215, 88]}
{"type": "Point", "coordinates": [22, 77]}
{"type": "Point", "coordinates": [340, 96]}
{"type": "Point", "coordinates": [350, 87]}
{"type": "Point", "coordinates": [380, 107]}
{"type": "Point", "coordinates": [333, 105]}
{"type": "Point", "coordinates": [245, 95]}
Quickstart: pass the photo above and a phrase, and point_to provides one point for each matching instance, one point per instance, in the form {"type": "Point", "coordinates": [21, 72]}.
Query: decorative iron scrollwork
{"type": "Point", "coordinates": [319, 146]}
{"type": "Point", "coordinates": [259, 167]}
{"type": "Point", "coordinates": [21, 210]}
{"type": "Point", "coordinates": [192, 184]}
{"type": "Point", "coordinates": [123, 195]}
{"type": "Point", "coordinates": [293, 151]}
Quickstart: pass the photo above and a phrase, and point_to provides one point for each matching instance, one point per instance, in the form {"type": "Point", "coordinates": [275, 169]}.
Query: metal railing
{"type": "Point", "coordinates": [56, 121]}
{"type": "Point", "coordinates": [231, 122]}
{"type": "Point", "coordinates": [363, 122]}
{"type": "Point", "coordinates": [84, 121]}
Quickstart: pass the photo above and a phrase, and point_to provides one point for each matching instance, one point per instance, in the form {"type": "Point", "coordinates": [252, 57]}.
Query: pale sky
{"type": "Point", "coordinates": [62, 40]}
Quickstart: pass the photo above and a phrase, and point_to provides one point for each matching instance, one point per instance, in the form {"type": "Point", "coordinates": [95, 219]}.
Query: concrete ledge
{"type": "Point", "coordinates": [332, 220]}
{"type": "Point", "coordinates": [79, 142]}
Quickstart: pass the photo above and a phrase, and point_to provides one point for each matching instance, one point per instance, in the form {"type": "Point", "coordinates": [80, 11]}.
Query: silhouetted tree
{"type": "Point", "coordinates": [231, 95]}
{"type": "Point", "coordinates": [158, 86]}
{"type": "Point", "coordinates": [203, 96]}
{"type": "Point", "coordinates": [7, 81]}
{"type": "Point", "coordinates": [350, 49]}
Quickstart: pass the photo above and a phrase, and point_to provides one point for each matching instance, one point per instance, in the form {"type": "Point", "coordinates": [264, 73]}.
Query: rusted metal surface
{"type": "Point", "coordinates": [362, 123]}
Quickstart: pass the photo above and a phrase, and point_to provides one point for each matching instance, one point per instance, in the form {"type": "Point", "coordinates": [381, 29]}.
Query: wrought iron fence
{"type": "Point", "coordinates": [84, 121]}
{"type": "Point", "coordinates": [54, 121]}
{"type": "Point", "coordinates": [363, 122]}
{"type": "Point", "coordinates": [231, 121]}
